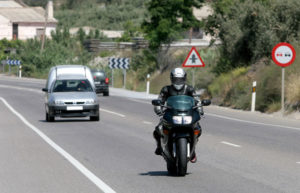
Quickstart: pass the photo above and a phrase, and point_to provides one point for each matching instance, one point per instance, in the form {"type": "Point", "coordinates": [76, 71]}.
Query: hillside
{"type": "Point", "coordinates": [99, 14]}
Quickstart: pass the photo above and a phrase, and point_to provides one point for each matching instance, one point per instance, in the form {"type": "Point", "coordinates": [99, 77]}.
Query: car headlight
{"type": "Point", "coordinates": [177, 119]}
{"type": "Point", "coordinates": [187, 119]}
{"type": "Point", "coordinates": [58, 102]}
{"type": "Point", "coordinates": [182, 119]}
{"type": "Point", "coordinates": [90, 102]}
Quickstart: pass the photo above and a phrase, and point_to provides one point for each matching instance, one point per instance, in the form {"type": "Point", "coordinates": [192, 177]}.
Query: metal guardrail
{"type": "Point", "coordinates": [94, 45]}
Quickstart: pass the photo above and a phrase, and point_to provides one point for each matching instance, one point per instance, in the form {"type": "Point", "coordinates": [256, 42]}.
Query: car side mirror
{"type": "Point", "coordinates": [206, 102]}
{"type": "Point", "coordinates": [156, 102]}
{"type": "Point", "coordinates": [44, 89]}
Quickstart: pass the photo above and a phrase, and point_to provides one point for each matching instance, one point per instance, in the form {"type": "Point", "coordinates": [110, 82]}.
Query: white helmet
{"type": "Point", "coordinates": [178, 78]}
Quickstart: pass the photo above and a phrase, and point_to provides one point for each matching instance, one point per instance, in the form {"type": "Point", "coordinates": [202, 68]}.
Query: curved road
{"type": "Point", "coordinates": [237, 152]}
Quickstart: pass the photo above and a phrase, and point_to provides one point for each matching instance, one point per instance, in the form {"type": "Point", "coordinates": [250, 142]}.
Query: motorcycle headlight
{"type": "Point", "coordinates": [177, 119]}
{"type": "Point", "coordinates": [187, 119]}
{"type": "Point", "coordinates": [58, 102]}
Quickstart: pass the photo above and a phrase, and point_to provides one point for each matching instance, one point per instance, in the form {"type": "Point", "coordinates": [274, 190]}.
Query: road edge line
{"type": "Point", "coordinates": [92, 177]}
{"type": "Point", "coordinates": [245, 121]}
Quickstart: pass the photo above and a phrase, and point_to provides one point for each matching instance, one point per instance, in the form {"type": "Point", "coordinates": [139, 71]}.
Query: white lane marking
{"type": "Point", "coordinates": [147, 123]}
{"type": "Point", "coordinates": [298, 162]}
{"type": "Point", "coordinates": [21, 88]}
{"type": "Point", "coordinates": [138, 101]}
{"type": "Point", "coordinates": [231, 144]}
{"type": "Point", "coordinates": [92, 177]}
{"type": "Point", "coordinates": [111, 112]}
{"type": "Point", "coordinates": [258, 123]}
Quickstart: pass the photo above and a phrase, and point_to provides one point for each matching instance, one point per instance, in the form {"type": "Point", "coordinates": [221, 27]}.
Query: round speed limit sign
{"type": "Point", "coordinates": [283, 54]}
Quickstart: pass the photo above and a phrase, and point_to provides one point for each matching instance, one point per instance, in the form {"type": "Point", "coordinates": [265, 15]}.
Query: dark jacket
{"type": "Point", "coordinates": [169, 90]}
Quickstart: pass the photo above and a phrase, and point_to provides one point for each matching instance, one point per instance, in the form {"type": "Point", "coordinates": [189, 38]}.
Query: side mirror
{"type": "Point", "coordinates": [156, 102]}
{"type": "Point", "coordinates": [206, 102]}
{"type": "Point", "coordinates": [44, 89]}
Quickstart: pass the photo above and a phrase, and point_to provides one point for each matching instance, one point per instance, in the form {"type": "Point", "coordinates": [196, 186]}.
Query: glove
{"type": "Point", "coordinates": [158, 110]}
{"type": "Point", "coordinates": [200, 110]}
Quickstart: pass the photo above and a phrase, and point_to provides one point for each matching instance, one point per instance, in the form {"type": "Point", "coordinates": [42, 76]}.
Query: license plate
{"type": "Point", "coordinates": [74, 108]}
{"type": "Point", "coordinates": [97, 82]}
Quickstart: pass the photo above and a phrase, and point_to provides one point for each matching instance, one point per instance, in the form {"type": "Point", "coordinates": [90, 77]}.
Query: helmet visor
{"type": "Point", "coordinates": [178, 80]}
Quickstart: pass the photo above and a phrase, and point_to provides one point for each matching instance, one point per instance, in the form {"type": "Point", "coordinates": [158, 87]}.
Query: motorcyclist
{"type": "Point", "coordinates": [178, 87]}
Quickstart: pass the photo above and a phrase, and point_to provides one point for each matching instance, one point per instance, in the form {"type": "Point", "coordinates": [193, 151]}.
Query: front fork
{"type": "Point", "coordinates": [188, 149]}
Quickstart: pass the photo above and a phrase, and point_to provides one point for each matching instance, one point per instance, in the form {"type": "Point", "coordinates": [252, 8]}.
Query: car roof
{"type": "Point", "coordinates": [71, 77]}
{"type": "Point", "coordinates": [95, 70]}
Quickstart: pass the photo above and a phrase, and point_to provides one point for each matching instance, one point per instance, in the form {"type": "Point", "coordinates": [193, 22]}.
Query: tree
{"type": "Point", "coordinates": [168, 19]}
{"type": "Point", "coordinates": [81, 35]}
{"type": "Point", "coordinates": [250, 29]}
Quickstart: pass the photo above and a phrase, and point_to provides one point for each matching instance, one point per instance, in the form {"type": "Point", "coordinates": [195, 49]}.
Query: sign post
{"type": "Point", "coordinates": [119, 63]}
{"type": "Point", "coordinates": [3, 64]}
{"type": "Point", "coordinates": [12, 63]}
{"type": "Point", "coordinates": [193, 59]}
{"type": "Point", "coordinates": [148, 84]}
{"type": "Point", "coordinates": [283, 54]}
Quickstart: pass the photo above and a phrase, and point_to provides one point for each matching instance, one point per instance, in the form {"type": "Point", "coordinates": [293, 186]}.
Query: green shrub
{"type": "Point", "coordinates": [112, 15]}
{"type": "Point", "coordinates": [268, 89]}
{"type": "Point", "coordinates": [228, 88]}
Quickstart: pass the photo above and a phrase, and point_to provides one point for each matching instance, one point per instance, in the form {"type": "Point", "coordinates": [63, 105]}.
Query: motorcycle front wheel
{"type": "Point", "coordinates": [181, 157]}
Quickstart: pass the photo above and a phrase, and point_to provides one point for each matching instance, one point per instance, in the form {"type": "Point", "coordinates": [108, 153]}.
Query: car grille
{"type": "Point", "coordinates": [71, 103]}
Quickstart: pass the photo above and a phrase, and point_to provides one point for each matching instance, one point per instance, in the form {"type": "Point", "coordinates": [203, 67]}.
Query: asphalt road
{"type": "Point", "coordinates": [237, 152]}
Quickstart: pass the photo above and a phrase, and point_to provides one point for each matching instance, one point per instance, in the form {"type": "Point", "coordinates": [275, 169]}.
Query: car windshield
{"type": "Point", "coordinates": [181, 102]}
{"type": "Point", "coordinates": [72, 86]}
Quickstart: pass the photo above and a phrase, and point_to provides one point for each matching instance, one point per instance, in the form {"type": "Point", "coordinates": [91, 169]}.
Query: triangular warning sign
{"type": "Point", "coordinates": [193, 59]}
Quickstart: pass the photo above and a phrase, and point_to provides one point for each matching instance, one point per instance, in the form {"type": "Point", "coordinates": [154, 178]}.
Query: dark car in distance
{"type": "Point", "coordinates": [101, 82]}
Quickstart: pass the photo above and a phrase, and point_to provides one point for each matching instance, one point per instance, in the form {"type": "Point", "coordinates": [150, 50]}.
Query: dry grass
{"type": "Point", "coordinates": [293, 89]}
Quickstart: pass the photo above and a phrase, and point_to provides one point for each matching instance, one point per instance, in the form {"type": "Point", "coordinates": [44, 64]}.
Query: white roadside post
{"type": "Point", "coordinates": [20, 71]}
{"type": "Point", "coordinates": [148, 83]}
{"type": "Point", "coordinates": [253, 96]}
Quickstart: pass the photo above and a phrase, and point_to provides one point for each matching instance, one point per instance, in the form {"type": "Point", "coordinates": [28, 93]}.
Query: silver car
{"type": "Point", "coordinates": [71, 96]}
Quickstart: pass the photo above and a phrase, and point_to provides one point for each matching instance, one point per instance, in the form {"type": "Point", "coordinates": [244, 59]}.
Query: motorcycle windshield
{"type": "Point", "coordinates": [181, 102]}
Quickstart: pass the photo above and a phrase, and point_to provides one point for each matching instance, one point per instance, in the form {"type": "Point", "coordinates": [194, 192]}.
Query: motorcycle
{"type": "Point", "coordinates": [179, 131]}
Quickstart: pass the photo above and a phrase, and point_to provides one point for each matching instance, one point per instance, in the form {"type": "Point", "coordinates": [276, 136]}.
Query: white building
{"type": "Point", "coordinates": [20, 22]}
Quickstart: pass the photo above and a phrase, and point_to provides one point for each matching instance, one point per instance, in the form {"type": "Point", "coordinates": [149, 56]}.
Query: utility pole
{"type": "Point", "coordinates": [190, 35]}
{"type": "Point", "coordinates": [45, 26]}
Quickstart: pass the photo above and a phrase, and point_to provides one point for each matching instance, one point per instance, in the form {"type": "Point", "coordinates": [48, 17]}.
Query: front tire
{"type": "Point", "coordinates": [106, 93]}
{"type": "Point", "coordinates": [181, 158]}
{"type": "Point", "coordinates": [49, 118]}
{"type": "Point", "coordinates": [95, 118]}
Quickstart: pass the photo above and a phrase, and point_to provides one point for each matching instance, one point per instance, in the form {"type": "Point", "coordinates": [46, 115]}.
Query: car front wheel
{"type": "Point", "coordinates": [49, 118]}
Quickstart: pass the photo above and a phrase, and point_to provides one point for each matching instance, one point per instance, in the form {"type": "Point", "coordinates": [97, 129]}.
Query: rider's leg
{"type": "Point", "coordinates": [156, 135]}
{"type": "Point", "coordinates": [193, 156]}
